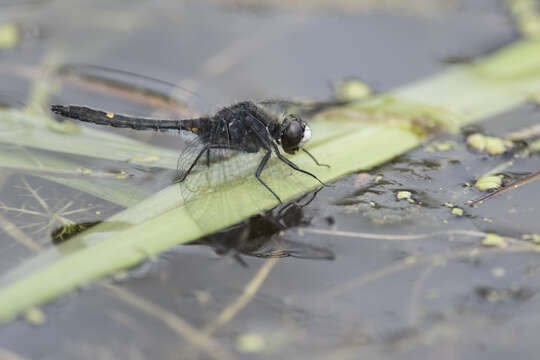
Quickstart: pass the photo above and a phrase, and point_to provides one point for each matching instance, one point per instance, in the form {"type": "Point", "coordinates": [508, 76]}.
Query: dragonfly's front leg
{"type": "Point", "coordinates": [314, 159]}
{"type": "Point", "coordinates": [260, 168]}
{"type": "Point", "coordinates": [293, 165]}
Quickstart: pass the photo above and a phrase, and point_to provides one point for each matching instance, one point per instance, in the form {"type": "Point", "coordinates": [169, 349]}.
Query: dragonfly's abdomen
{"type": "Point", "coordinates": [86, 114]}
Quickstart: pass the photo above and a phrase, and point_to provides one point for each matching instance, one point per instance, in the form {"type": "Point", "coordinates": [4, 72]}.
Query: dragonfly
{"type": "Point", "coordinates": [243, 127]}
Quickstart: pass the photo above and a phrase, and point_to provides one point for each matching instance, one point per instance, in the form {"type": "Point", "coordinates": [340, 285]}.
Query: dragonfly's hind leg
{"type": "Point", "coordinates": [260, 168]}
{"type": "Point", "coordinates": [207, 150]}
{"type": "Point", "coordinates": [186, 173]}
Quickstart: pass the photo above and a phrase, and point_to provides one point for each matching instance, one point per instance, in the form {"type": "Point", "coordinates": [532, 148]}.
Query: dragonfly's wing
{"type": "Point", "coordinates": [282, 247]}
{"type": "Point", "coordinates": [305, 108]}
{"type": "Point", "coordinates": [207, 189]}
{"type": "Point", "coordinates": [212, 180]}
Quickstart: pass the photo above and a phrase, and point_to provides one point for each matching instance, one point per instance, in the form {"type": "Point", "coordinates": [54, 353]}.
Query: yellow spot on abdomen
{"type": "Point", "coordinates": [194, 129]}
{"type": "Point", "coordinates": [110, 115]}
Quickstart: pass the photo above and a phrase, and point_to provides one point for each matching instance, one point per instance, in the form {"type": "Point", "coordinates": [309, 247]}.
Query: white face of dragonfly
{"type": "Point", "coordinates": [306, 137]}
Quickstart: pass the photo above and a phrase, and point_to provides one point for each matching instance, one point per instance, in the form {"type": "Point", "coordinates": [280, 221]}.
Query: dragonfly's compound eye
{"type": "Point", "coordinates": [293, 133]}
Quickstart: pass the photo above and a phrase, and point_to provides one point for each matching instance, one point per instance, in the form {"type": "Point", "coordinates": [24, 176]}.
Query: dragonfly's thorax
{"type": "Point", "coordinates": [246, 127]}
{"type": "Point", "coordinates": [243, 126]}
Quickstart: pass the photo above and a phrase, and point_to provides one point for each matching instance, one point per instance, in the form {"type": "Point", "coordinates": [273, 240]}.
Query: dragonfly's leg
{"type": "Point", "coordinates": [259, 171]}
{"type": "Point", "coordinates": [314, 159]}
{"type": "Point", "coordinates": [281, 211]}
{"type": "Point", "coordinates": [186, 173]}
{"type": "Point", "coordinates": [208, 157]}
{"type": "Point", "coordinates": [293, 165]}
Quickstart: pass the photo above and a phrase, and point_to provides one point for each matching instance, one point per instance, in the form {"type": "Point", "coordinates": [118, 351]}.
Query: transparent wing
{"type": "Point", "coordinates": [282, 247]}
{"type": "Point", "coordinates": [212, 177]}
{"type": "Point", "coordinates": [306, 108]}
{"type": "Point", "coordinates": [212, 174]}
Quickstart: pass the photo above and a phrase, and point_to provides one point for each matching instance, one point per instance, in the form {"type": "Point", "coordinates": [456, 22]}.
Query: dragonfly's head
{"type": "Point", "coordinates": [294, 133]}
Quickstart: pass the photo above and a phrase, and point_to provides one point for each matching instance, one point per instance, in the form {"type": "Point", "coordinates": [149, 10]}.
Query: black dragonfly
{"type": "Point", "coordinates": [244, 127]}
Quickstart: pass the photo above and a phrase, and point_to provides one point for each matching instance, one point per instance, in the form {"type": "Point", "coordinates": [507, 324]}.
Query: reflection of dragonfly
{"type": "Point", "coordinates": [261, 235]}
{"type": "Point", "coordinates": [244, 127]}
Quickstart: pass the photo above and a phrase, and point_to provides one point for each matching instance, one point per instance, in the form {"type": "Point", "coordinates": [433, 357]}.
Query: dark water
{"type": "Point", "coordinates": [340, 294]}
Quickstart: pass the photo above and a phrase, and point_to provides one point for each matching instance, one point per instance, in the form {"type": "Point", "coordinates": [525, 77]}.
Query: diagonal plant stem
{"type": "Point", "coordinates": [513, 185]}
{"type": "Point", "coordinates": [6, 354]}
{"type": "Point", "coordinates": [365, 279]}
{"type": "Point", "coordinates": [239, 303]}
{"type": "Point", "coordinates": [18, 235]}
{"type": "Point", "coordinates": [182, 328]}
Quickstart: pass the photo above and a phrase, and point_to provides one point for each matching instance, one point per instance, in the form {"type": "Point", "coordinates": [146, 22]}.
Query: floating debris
{"type": "Point", "coordinates": [411, 260]}
{"type": "Point", "coordinates": [203, 297]}
{"type": "Point", "coordinates": [494, 240]}
{"type": "Point", "coordinates": [119, 173]}
{"type": "Point", "coordinates": [488, 182]}
{"type": "Point", "coordinates": [488, 294]}
{"type": "Point", "coordinates": [535, 146]}
{"type": "Point", "coordinates": [441, 146]}
{"type": "Point", "coordinates": [534, 237]}
{"type": "Point", "coordinates": [492, 294]}
{"type": "Point", "coordinates": [121, 275]}
{"type": "Point", "coordinates": [9, 35]}
{"type": "Point", "coordinates": [34, 316]}
{"type": "Point", "coordinates": [403, 195]}
{"type": "Point", "coordinates": [362, 178]}
{"type": "Point", "coordinates": [85, 171]}
{"type": "Point", "coordinates": [526, 16]}
{"type": "Point", "coordinates": [514, 185]}
{"type": "Point", "coordinates": [250, 343]}
{"type": "Point", "coordinates": [498, 272]}
{"type": "Point", "coordinates": [353, 89]}
{"type": "Point", "coordinates": [457, 211]}
{"type": "Point", "coordinates": [67, 231]}
{"type": "Point", "coordinates": [489, 144]}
